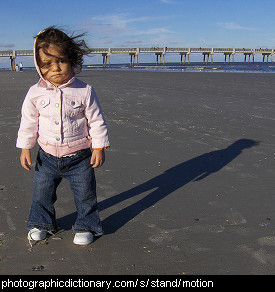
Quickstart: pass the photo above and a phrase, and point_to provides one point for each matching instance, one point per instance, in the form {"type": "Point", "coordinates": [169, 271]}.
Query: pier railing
{"type": "Point", "coordinates": [160, 53]}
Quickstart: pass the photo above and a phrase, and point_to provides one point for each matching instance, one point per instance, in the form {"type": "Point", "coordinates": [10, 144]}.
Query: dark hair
{"type": "Point", "coordinates": [72, 46]}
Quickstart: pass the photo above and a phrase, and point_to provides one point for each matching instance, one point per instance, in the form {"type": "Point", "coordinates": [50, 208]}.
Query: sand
{"type": "Point", "coordinates": [187, 186]}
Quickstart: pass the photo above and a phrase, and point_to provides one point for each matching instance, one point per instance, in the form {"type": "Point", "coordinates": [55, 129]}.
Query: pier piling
{"type": "Point", "coordinates": [106, 57]}
{"type": "Point", "coordinates": [207, 55]}
{"type": "Point", "coordinates": [225, 57]}
{"type": "Point", "coordinates": [133, 57]}
{"type": "Point", "coordinates": [185, 55]}
{"type": "Point", "coordinates": [12, 58]}
{"type": "Point", "coordinates": [159, 55]}
{"type": "Point", "coordinates": [249, 55]}
{"type": "Point", "coordinates": [267, 57]}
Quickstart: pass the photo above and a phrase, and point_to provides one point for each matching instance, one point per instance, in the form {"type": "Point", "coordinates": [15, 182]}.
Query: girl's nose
{"type": "Point", "coordinates": [56, 67]}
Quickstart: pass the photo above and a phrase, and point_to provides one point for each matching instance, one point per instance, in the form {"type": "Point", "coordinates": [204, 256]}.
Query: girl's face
{"type": "Point", "coordinates": [55, 67]}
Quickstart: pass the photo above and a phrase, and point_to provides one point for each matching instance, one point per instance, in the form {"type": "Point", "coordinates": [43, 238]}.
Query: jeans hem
{"type": "Point", "coordinates": [42, 227]}
{"type": "Point", "coordinates": [86, 229]}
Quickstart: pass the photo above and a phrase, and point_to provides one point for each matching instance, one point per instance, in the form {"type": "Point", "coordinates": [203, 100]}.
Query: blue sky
{"type": "Point", "coordinates": [143, 23]}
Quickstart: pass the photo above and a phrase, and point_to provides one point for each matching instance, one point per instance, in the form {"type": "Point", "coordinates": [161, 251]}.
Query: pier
{"type": "Point", "coordinates": [160, 53]}
{"type": "Point", "coordinates": [13, 54]}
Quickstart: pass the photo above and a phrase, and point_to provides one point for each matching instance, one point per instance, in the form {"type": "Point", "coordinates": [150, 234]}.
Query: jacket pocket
{"type": "Point", "coordinates": [42, 104]}
{"type": "Point", "coordinates": [73, 106]}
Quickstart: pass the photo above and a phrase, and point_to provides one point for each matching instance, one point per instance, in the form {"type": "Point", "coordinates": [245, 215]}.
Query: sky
{"type": "Point", "coordinates": [142, 23]}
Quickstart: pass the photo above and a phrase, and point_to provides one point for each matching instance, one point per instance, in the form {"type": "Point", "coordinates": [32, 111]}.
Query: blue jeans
{"type": "Point", "coordinates": [49, 171]}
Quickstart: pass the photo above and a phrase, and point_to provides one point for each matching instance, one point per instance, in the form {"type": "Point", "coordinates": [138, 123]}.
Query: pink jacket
{"type": "Point", "coordinates": [67, 118]}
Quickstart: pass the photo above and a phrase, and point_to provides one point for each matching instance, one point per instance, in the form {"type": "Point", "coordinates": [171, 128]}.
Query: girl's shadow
{"type": "Point", "coordinates": [172, 179]}
{"type": "Point", "coordinates": [164, 184]}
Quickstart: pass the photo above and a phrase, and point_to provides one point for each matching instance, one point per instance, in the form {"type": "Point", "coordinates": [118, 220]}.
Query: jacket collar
{"type": "Point", "coordinates": [46, 84]}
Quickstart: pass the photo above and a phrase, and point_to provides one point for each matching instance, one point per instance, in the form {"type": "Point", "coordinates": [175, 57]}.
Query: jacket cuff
{"type": "Point", "coordinates": [99, 143]}
{"type": "Point", "coordinates": [24, 145]}
{"type": "Point", "coordinates": [101, 148]}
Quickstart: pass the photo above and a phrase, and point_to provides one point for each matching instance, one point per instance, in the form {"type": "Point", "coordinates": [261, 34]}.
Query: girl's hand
{"type": "Point", "coordinates": [25, 159]}
{"type": "Point", "coordinates": [98, 158]}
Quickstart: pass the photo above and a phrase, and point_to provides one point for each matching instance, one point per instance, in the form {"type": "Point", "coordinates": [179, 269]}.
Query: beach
{"type": "Point", "coordinates": [187, 187]}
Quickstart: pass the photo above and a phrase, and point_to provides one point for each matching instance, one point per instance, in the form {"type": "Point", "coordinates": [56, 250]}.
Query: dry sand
{"type": "Point", "coordinates": [187, 186]}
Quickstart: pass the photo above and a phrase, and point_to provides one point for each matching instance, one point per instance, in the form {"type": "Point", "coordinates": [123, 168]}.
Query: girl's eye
{"type": "Point", "coordinates": [46, 65]}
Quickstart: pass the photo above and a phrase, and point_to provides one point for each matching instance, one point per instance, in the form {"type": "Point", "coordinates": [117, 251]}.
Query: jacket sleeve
{"type": "Point", "coordinates": [28, 129]}
{"type": "Point", "coordinates": [96, 122]}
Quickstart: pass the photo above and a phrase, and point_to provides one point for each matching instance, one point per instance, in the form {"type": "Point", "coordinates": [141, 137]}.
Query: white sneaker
{"type": "Point", "coordinates": [36, 234]}
{"type": "Point", "coordinates": [83, 238]}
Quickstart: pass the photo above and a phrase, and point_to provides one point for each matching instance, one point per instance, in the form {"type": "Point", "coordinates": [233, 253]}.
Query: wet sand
{"type": "Point", "coordinates": [187, 186]}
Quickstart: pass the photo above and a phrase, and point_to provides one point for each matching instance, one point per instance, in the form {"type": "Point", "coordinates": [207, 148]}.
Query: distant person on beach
{"type": "Point", "coordinates": [66, 115]}
{"type": "Point", "coordinates": [21, 67]}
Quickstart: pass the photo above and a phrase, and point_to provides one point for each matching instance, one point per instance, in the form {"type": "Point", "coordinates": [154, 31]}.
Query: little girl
{"type": "Point", "coordinates": [65, 114]}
